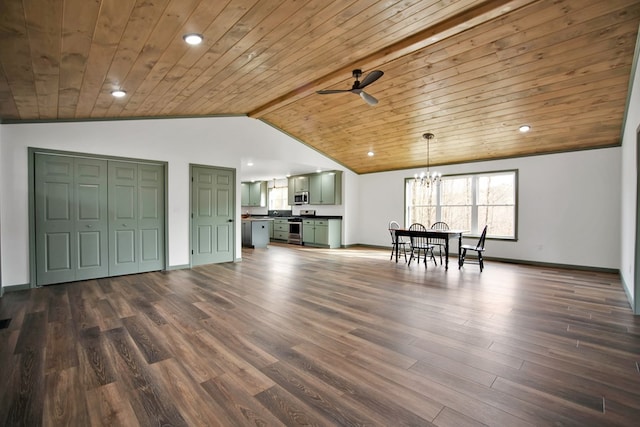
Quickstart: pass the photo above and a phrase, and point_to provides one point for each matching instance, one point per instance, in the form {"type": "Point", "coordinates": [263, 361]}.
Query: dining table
{"type": "Point", "coordinates": [446, 235]}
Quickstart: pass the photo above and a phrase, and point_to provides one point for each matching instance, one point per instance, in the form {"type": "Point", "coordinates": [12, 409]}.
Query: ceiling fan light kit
{"type": "Point", "coordinates": [358, 86]}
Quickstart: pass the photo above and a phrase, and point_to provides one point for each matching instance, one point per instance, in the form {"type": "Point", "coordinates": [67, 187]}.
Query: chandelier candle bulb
{"type": "Point", "coordinates": [428, 178]}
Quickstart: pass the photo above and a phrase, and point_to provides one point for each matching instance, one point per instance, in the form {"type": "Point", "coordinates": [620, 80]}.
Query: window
{"type": "Point", "coordinates": [466, 202]}
{"type": "Point", "coordinates": [279, 198]}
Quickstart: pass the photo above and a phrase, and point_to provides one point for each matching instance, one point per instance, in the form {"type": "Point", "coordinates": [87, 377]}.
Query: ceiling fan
{"type": "Point", "coordinates": [358, 86]}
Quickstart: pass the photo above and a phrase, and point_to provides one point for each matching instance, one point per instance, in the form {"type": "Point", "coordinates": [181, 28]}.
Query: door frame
{"type": "Point", "coordinates": [32, 151]}
{"type": "Point", "coordinates": [235, 199]}
{"type": "Point", "coordinates": [636, 258]}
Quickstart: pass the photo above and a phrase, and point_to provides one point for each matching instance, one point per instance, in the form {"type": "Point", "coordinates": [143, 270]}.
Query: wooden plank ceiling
{"type": "Point", "coordinates": [469, 71]}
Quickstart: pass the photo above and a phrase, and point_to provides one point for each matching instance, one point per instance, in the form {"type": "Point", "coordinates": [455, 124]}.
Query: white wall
{"type": "Point", "coordinates": [568, 207]}
{"type": "Point", "coordinates": [629, 172]}
{"type": "Point", "coordinates": [218, 141]}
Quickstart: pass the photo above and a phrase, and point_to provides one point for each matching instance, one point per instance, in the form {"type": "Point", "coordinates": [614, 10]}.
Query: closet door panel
{"type": "Point", "coordinates": [54, 222]}
{"type": "Point", "coordinates": [151, 217]}
{"type": "Point", "coordinates": [123, 222]}
{"type": "Point", "coordinates": [91, 222]}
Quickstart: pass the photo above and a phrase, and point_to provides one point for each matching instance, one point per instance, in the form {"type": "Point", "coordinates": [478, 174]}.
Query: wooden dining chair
{"type": "Point", "coordinates": [479, 248]}
{"type": "Point", "coordinates": [402, 241]}
{"type": "Point", "coordinates": [439, 242]}
{"type": "Point", "coordinates": [420, 244]}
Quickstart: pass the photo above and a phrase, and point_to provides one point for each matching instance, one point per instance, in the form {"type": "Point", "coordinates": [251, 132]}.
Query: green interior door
{"type": "Point", "coordinates": [97, 218]}
{"type": "Point", "coordinates": [123, 218]}
{"type": "Point", "coordinates": [136, 217]}
{"type": "Point", "coordinates": [151, 217]}
{"type": "Point", "coordinates": [70, 218]}
{"type": "Point", "coordinates": [91, 218]}
{"type": "Point", "coordinates": [212, 211]}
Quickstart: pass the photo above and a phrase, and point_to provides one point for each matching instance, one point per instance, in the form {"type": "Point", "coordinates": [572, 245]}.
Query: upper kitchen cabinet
{"type": "Point", "coordinates": [297, 184]}
{"type": "Point", "coordinates": [253, 193]}
{"type": "Point", "coordinates": [325, 188]}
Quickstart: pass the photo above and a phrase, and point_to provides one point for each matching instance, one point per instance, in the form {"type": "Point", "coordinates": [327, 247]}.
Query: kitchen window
{"type": "Point", "coordinates": [466, 202]}
{"type": "Point", "coordinates": [279, 198]}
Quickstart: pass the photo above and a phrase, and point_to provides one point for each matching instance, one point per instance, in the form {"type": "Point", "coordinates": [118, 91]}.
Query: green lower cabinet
{"type": "Point", "coordinates": [322, 232]}
{"type": "Point", "coordinates": [280, 229]}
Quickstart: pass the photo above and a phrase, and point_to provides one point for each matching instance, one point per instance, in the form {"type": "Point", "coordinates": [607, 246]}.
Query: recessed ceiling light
{"type": "Point", "coordinates": [370, 154]}
{"type": "Point", "coordinates": [250, 164]}
{"type": "Point", "coordinates": [193, 39]}
{"type": "Point", "coordinates": [525, 128]}
{"type": "Point", "coordinates": [318, 170]}
{"type": "Point", "coordinates": [118, 93]}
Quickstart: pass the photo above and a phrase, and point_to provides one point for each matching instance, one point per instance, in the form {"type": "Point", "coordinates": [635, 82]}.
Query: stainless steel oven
{"type": "Point", "coordinates": [295, 231]}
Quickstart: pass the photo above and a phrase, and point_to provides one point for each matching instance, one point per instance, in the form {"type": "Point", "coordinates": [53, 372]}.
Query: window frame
{"type": "Point", "coordinates": [269, 189]}
{"type": "Point", "coordinates": [474, 206]}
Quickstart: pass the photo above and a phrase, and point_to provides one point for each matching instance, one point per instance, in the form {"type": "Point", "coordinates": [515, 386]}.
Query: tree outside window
{"type": "Point", "coordinates": [279, 199]}
{"type": "Point", "coordinates": [466, 202]}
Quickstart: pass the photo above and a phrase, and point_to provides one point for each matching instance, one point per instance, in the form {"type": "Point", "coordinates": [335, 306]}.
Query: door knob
{"type": "Point", "coordinates": [89, 226]}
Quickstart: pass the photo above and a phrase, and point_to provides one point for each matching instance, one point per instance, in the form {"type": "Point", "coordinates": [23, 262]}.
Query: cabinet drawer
{"type": "Point", "coordinates": [280, 235]}
{"type": "Point", "coordinates": [281, 227]}
{"type": "Point", "coordinates": [309, 222]}
{"type": "Point", "coordinates": [322, 222]}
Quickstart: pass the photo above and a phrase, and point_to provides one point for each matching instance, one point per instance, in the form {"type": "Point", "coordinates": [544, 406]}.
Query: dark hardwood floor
{"type": "Point", "coordinates": [299, 336]}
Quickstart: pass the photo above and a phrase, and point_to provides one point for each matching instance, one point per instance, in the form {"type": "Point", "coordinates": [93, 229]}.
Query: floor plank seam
{"type": "Point", "coordinates": [454, 351]}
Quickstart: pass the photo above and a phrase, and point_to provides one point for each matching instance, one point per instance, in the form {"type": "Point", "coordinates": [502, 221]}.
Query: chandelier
{"type": "Point", "coordinates": [428, 178]}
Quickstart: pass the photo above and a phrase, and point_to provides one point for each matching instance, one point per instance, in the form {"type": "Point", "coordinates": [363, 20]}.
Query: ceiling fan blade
{"type": "Point", "coordinates": [368, 98]}
{"type": "Point", "coordinates": [370, 78]}
{"type": "Point", "coordinates": [328, 91]}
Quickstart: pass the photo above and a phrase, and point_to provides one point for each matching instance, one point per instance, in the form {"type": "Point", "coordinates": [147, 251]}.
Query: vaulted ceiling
{"type": "Point", "coordinates": [469, 71]}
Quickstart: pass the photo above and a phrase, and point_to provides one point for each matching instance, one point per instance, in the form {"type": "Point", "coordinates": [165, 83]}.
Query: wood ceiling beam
{"type": "Point", "coordinates": [456, 24]}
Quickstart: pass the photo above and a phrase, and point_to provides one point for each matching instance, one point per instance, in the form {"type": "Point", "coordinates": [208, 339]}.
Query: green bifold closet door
{"type": "Point", "coordinates": [97, 218]}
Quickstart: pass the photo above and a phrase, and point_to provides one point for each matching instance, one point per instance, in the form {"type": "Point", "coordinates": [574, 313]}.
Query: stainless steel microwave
{"type": "Point", "coordinates": [301, 198]}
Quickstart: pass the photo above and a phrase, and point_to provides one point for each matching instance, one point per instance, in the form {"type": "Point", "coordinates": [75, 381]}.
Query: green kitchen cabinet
{"type": "Point", "coordinates": [297, 184]}
{"type": "Point", "coordinates": [322, 232]}
{"type": "Point", "coordinates": [253, 194]}
{"type": "Point", "coordinates": [280, 229]}
{"type": "Point", "coordinates": [325, 188]}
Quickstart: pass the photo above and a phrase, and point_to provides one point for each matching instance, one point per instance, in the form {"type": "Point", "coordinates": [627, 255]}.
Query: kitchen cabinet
{"type": "Point", "coordinates": [280, 229]}
{"type": "Point", "coordinates": [297, 184]}
{"type": "Point", "coordinates": [253, 193]}
{"type": "Point", "coordinates": [322, 232]}
{"type": "Point", "coordinates": [325, 188]}
{"type": "Point", "coordinates": [255, 233]}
